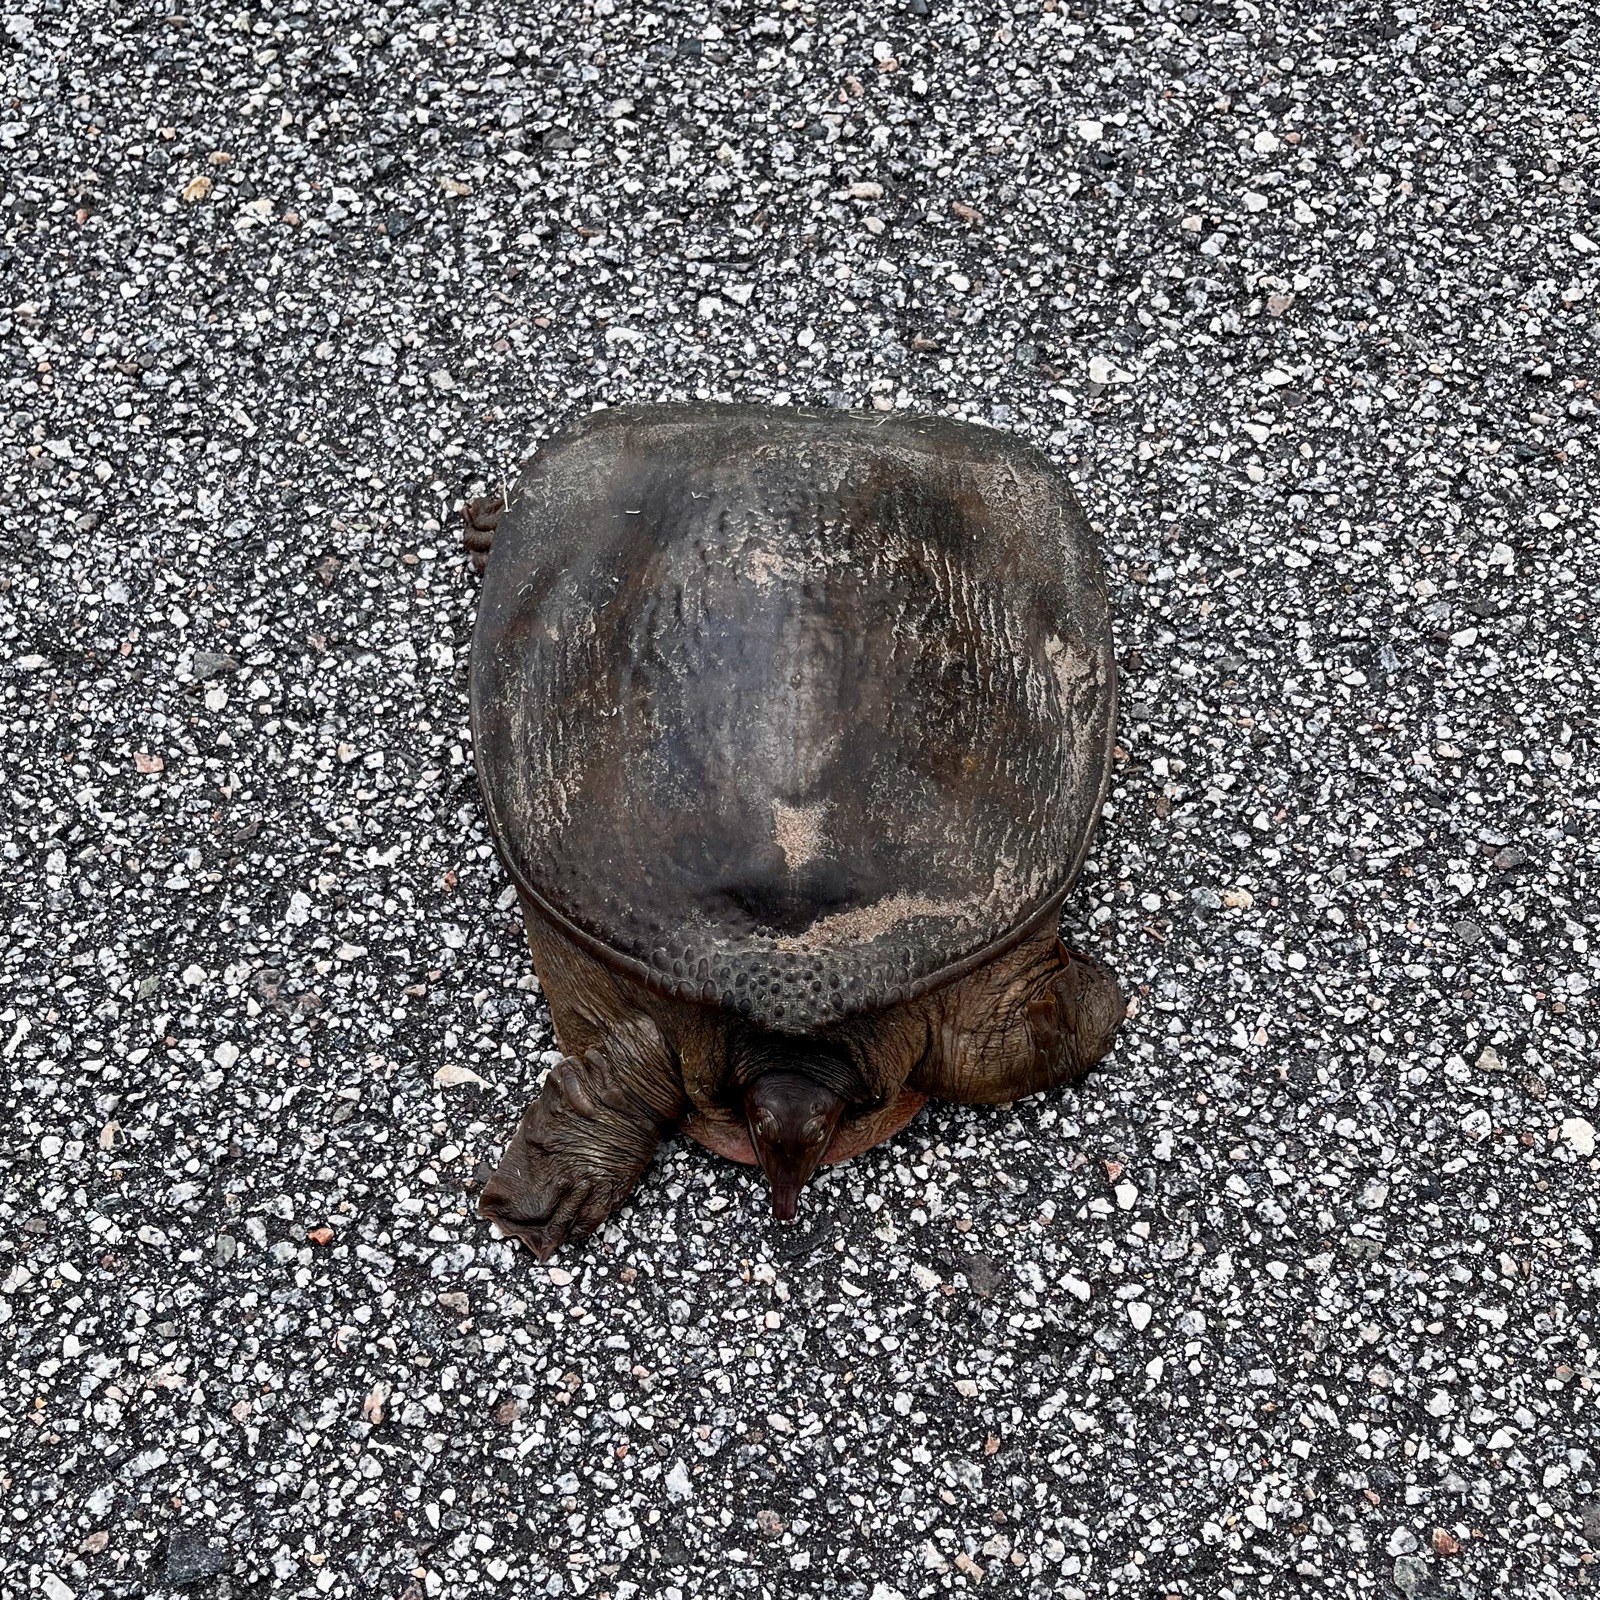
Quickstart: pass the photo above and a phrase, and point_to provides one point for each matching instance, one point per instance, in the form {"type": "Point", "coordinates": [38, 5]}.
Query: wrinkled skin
{"type": "Point", "coordinates": [640, 1065]}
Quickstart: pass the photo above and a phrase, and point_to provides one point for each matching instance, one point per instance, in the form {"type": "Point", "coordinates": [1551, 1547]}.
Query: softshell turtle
{"type": "Point", "coordinates": [792, 728]}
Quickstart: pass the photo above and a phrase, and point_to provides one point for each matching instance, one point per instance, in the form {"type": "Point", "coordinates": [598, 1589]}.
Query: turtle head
{"type": "Point", "coordinates": [792, 1119]}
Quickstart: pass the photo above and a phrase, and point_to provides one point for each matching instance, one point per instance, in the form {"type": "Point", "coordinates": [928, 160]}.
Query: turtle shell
{"type": "Point", "coordinates": [800, 713]}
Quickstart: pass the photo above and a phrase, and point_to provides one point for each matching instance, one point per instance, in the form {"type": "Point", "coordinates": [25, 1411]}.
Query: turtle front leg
{"type": "Point", "coordinates": [1039, 1016]}
{"type": "Point", "coordinates": [482, 517]}
{"type": "Point", "coordinates": [583, 1145]}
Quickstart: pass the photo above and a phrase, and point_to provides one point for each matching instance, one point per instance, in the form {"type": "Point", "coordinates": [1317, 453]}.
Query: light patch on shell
{"type": "Point", "coordinates": [768, 567]}
{"type": "Point", "coordinates": [1069, 663]}
{"type": "Point", "coordinates": [798, 832]}
{"type": "Point", "coordinates": [1011, 886]}
{"type": "Point", "coordinates": [866, 923]}
{"type": "Point", "coordinates": [791, 547]}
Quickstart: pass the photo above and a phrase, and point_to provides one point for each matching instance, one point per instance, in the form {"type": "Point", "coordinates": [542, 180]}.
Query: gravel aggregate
{"type": "Point", "coordinates": [1297, 1295]}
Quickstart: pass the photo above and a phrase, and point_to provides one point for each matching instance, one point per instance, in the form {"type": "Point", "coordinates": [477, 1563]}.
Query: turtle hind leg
{"type": "Point", "coordinates": [1073, 1018]}
{"type": "Point", "coordinates": [583, 1145]}
{"type": "Point", "coordinates": [482, 518]}
{"type": "Point", "coordinates": [1037, 1017]}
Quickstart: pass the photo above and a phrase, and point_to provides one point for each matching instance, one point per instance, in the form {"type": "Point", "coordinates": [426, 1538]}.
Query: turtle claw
{"type": "Point", "coordinates": [482, 518]}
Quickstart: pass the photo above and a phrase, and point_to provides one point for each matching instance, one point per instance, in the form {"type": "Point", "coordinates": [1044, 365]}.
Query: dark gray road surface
{"type": "Point", "coordinates": [1297, 1297]}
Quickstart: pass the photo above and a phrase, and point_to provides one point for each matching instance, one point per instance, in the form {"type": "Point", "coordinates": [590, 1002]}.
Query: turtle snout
{"type": "Point", "coordinates": [792, 1120]}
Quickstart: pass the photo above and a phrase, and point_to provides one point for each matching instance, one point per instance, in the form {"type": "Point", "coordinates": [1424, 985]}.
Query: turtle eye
{"type": "Point", "coordinates": [766, 1124]}
{"type": "Point", "coordinates": [813, 1130]}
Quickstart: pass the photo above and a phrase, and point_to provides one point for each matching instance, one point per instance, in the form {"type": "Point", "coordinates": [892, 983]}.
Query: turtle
{"type": "Point", "coordinates": [792, 729]}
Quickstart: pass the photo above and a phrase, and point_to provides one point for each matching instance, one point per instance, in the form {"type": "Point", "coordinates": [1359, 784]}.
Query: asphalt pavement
{"type": "Point", "coordinates": [1296, 1296]}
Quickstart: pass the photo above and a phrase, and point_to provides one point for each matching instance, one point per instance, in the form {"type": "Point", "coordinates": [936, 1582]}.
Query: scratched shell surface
{"type": "Point", "coordinates": [795, 712]}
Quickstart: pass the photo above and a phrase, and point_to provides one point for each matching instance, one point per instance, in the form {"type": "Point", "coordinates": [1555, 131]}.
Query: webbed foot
{"type": "Point", "coordinates": [578, 1153]}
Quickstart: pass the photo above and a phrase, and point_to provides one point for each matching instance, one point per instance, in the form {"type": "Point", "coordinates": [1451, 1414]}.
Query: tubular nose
{"type": "Point", "coordinates": [785, 1198]}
